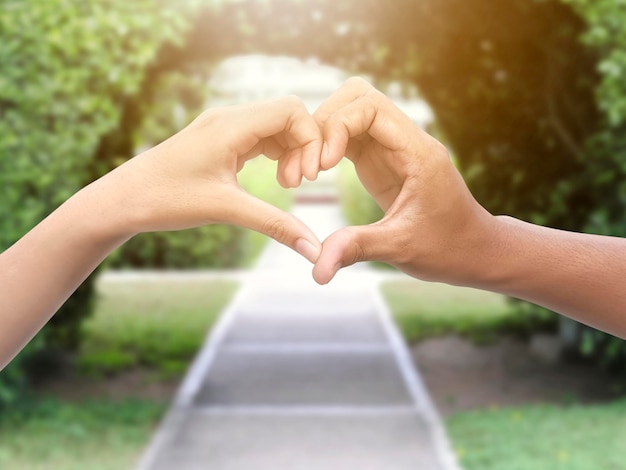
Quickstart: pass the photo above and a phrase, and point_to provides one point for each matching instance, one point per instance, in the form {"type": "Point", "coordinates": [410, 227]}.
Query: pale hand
{"type": "Point", "coordinates": [187, 181]}
{"type": "Point", "coordinates": [191, 179]}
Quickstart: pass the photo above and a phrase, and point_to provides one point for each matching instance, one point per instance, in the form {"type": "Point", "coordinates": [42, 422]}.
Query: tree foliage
{"type": "Point", "coordinates": [530, 95]}
{"type": "Point", "coordinates": [512, 86]}
{"type": "Point", "coordinates": [605, 33]}
{"type": "Point", "coordinates": [66, 70]}
{"type": "Point", "coordinates": [534, 116]}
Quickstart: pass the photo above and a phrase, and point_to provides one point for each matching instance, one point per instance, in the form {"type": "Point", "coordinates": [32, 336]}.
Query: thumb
{"type": "Point", "coordinates": [348, 246]}
{"type": "Point", "coordinates": [283, 227]}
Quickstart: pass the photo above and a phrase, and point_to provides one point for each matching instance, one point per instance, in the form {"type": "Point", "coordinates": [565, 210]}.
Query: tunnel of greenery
{"type": "Point", "coordinates": [529, 96]}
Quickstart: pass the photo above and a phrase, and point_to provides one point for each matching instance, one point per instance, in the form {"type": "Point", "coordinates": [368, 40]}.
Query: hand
{"type": "Point", "coordinates": [433, 228]}
{"type": "Point", "coordinates": [190, 179]}
{"type": "Point", "coordinates": [187, 181]}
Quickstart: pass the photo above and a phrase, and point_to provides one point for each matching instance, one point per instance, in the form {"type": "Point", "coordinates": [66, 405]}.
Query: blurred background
{"type": "Point", "coordinates": [528, 95]}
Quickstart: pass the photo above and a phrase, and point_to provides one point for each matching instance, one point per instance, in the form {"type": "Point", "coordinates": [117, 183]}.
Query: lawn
{"type": "Point", "coordinates": [529, 437]}
{"type": "Point", "coordinates": [425, 309]}
{"type": "Point", "coordinates": [93, 435]}
{"type": "Point", "coordinates": [153, 326]}
{"type": "Point", "coordinates": [157, 324]}
{"type": "Point", "coordinates": [542, 437]}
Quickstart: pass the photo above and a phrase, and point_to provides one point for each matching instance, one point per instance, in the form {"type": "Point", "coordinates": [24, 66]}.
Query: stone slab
{"type": "Point", "coordinates": [298, 443]}
{"type": "Point", "coordinates": [305, 327]}
{"type": "Point", "coordinates": [306, 302]}
{"type": "Point", "coordinates": [304, 378]}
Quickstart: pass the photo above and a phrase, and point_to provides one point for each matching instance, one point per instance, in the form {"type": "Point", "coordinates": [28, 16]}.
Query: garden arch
{"type": "Point", "coordinates": [499, 77]}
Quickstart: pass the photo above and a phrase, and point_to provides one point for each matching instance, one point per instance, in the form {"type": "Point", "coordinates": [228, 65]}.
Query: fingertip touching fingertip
{"type": "Point", "coordinates": [325, 151]}
{"type": "Point", "coordinates": [320, 278]}
{"type": "Point", "coordinates": [323, 275]}
{"type": "Point", "coordinates": [311, 177]}
{"type": "Point", "coordinates": [326, 157]}
{"type": "Point", "coordinates": [310, 171]}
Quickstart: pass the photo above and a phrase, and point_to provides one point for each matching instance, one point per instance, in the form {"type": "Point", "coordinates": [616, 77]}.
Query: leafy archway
{"type": "Point", "coordinates": [510, 83]}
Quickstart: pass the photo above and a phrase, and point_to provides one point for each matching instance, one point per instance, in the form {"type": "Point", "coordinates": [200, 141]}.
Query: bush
{"type": "Point", "coordinates": [139, 324]}
{"type": "Point", "coordinates": [212, 246]}
{"type": "Point", "coordinates": [67, 69]}
{"type": "Point", "coordinates": [52, 434]}
{"type": "Point", "coordinates": [530, 95]}
{"type": "Point", "coordinates": [424, 310]}
{"type": "Point", "coordinates": [605, 33]}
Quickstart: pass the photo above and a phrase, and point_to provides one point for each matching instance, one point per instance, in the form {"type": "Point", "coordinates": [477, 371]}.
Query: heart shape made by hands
{"type": "Point", "coordinates": [430, 217]}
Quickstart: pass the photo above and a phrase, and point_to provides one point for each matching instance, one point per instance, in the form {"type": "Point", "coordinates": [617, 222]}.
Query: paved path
{"type": "Point", "coordinates": [298, 376]}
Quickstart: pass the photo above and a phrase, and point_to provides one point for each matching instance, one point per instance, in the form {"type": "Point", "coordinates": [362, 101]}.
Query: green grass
{"type": "Point", "coordinates": [75, 436]}
{"type": "Point", "coordinates": [423, 309]}
{"type": "Point", "coordinates": [542, 438]}
{"type": "Point", "coordinates": [530, 437]}
{"type": "Point", "coordinates": [258, 177]}
{"type": "Point", "coordinates": [155, 324]}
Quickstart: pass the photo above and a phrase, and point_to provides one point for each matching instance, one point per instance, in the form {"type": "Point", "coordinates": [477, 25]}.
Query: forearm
{"type": "Point", "coordinates": [40, 271]}
{"type": "Point", "coordinates": [578, 275]}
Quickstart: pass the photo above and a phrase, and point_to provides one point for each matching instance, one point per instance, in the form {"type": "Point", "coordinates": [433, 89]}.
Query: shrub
{"type": "Point", "coordinates": [67, 69]}
{"type": "Point", "coordinates": [212, 246]}
{"type": "Point", "coordinates": [531, 98]}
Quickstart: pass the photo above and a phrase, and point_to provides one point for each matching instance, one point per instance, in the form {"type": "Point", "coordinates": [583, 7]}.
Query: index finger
{"type": "Point", "coordinates": [287, 117]}
{"type": "Point", "coordinates": [257, 121]}
{"type": "Point", "coordinates": [349, 91]}
{"type": "Point", "coordinates": [371, 113]}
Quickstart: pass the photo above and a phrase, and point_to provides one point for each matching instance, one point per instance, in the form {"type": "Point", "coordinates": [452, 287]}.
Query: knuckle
{"type": "Point", "coordinates": [440, 150]}
{"type": "Point", "coordinates": [373, 99]}
{"type": "Point", "coordinates": [297, 111]}
{"type": "Point", "coordinates": [376, 95]}
{"type": "Point", "coordinates": [275, 228]}
{"type": "Point", "coordinates": [294, 101]}
{"type": "Point", "coordinates": [439, 153]}
{"type": "Point", "coordinates": [357, 83]}
{"type": "Point", "coordinates": [332, 120]}
{"type": "Point", "coordinates": [207, 118]}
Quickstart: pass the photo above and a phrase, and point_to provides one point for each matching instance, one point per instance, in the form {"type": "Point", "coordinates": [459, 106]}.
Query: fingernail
{"type": "Point", "coordinates": [325, 151]}
{"type": "Point", "coordinates": [307, 249]}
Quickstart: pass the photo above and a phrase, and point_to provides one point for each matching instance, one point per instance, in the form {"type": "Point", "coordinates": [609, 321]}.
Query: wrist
{"type": "Point", "coordinates": [483, 258]}
{"type": "Point", "coordinates": [503, 258]}
{"type": "Point", "coordinates": [102, 211]}
{"type": "Point", "coordinates": [492, 261]}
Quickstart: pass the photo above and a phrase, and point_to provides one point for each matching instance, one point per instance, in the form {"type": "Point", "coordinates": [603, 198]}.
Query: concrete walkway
{"type": "Point", "coordinates": [298, 376]}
